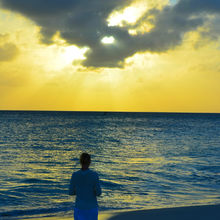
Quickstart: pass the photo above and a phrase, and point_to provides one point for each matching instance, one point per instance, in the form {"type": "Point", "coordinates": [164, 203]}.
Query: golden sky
{"type": "Point", "coordinates": [100, 55]}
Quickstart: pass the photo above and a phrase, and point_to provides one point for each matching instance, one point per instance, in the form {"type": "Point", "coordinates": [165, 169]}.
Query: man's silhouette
{"type": "Point", "coordinates": [85, 185]}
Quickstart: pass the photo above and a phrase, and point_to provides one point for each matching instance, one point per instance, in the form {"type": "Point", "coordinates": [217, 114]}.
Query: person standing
{"type": "Point", "coordinates": [85, 185]}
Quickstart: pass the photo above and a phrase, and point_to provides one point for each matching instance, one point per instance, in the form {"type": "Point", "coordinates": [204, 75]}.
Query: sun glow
{"type": "Point", "coordinates": [128, 15]}
{"type": "Point", "coordinates": [59, 57]}
{"type": "Point", "coordinates": [72, 53]}
{"type": "Point", "coordinates": [108, 40]}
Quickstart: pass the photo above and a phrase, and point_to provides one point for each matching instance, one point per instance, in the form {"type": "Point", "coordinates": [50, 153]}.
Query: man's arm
{"type": "Point", "coordinates": [72, 188]}
{"type": "Point", "coordinates": [98, 190]}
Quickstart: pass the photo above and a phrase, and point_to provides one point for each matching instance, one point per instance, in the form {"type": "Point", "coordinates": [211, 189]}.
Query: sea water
{"type": "Point", "coordinates": [144, 160]}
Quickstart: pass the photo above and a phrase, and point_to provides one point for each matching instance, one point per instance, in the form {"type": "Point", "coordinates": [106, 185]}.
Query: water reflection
{"type": "Point", "coordinates": [144, 161]}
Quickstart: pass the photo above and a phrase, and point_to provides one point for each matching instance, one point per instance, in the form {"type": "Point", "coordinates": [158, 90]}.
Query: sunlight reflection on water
{"type": "Point", "coordinates": [144, 160]}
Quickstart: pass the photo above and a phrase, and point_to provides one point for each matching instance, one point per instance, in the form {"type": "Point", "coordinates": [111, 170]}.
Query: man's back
{"type": "Point", "coordinates": [85, 185]}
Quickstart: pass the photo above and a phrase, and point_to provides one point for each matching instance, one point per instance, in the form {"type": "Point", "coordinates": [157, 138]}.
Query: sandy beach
{"type": "Point", "coordinates": [210, 212]}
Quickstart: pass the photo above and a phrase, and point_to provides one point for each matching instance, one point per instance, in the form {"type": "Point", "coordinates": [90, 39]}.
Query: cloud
{"type": "Point", "coordinates": [212, 29]}
{"type": "Point", "coordinates": [8, 51]}
{"type": "Point", "coordinates": [189, 7]}
{"type": "Point", "coordinates": [84, 23]}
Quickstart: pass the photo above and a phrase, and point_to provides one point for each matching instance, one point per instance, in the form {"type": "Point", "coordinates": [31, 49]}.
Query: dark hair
{"type": "Point", "coordinates": [85, 159]}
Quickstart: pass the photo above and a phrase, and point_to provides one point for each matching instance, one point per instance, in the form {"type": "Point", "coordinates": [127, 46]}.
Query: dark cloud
{"type": "Point", "coordinates": [188, 7]}
{"type": "Point", "coordinates": [83, 22]}
{"type": "Point", "coordinates": [212, 30]}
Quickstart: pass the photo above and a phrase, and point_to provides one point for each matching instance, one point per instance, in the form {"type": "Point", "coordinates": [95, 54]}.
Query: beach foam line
{"type": "Point", "coordinates": [204, 212]}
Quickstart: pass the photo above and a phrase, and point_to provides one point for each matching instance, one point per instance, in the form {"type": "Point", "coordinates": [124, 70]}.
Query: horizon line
{"type": "Point", "coordinates": [93, 111]}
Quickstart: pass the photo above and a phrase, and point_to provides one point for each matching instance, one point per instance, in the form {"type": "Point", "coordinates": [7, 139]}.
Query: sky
{"type": "Point", "coordinates": [102, 55]}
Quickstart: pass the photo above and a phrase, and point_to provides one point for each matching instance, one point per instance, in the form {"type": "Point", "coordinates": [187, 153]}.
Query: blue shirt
{"type": "Point", "coordinates": [85, 185]}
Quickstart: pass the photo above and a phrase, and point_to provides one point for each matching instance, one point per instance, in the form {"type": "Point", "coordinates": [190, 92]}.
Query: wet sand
{"type": "Point", "coordinates": [207, 212]}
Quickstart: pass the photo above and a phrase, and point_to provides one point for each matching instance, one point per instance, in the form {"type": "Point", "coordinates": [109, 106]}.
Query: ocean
{"type": "Point", "coordinates": [144, 160]}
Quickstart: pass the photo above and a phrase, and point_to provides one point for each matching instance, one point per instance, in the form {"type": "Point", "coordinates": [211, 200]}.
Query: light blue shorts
{"type": "Point", "coordinates": [87, 214]}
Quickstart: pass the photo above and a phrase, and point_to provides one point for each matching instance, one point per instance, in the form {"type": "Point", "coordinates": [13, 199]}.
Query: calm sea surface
{"type": "Point", "coordinates": [145, 160]}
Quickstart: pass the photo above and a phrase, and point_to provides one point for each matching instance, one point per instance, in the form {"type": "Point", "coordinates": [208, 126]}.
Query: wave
{"type": "Point", "coordinates": [35, 180]}
{"type": "Point", "coordinates": [14, 214]}
{"type": "Point", "coordinates": [110, 184]}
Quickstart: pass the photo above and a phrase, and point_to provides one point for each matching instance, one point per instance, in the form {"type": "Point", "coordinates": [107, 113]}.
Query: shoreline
{"type": "Point", "coordinates": [202, 212]}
